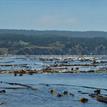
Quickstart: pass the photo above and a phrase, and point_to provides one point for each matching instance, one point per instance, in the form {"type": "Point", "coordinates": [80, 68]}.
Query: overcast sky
{"type": "Point", "coordinates": [78, 15]}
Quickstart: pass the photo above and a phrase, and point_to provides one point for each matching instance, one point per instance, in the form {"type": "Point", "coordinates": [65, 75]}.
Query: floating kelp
{"type": "Point", "coordinates": [19, 84]}
{"type": "Point", "coordinates": [101, 98]}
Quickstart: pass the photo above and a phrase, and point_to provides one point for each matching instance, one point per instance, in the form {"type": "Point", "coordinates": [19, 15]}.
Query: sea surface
{"type": "Point", "coordinates": [34, 90]}
{"type": "Point", "coordinates": [40, 95]}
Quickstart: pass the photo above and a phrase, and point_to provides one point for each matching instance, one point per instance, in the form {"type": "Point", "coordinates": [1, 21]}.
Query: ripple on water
{"type": "Point", "coordinates": [60, 82]}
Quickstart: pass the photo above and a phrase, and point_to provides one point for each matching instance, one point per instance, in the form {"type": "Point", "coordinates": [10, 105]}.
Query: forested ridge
{"type": "Point", "coordinates": [30, 42]}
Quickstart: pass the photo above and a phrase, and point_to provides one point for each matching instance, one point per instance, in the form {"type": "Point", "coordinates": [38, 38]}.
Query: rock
{"type": "Point", "coordinates": [1, 103]}
{"type": "Point", "coordinates": [2, 91]}
{"type": "Point", "coordinates": [47, 85]}
{"type": "Point", "coordinates": [65, 93]}
{"type": "Point", "coordinates": [68, 93]}
{"type": "Point", "coordinates": [71, 94]}
{"type": "Point", "coordinates": [101, 98]}
{"type": "Point", "coordinates": [59, 95]}
{"type": "Point", "coordinates": [97, 92]}
{"type": "Point", "coordinates": [92, 95]}
{"type": "Point", "coordinates": [83, 100]}
{"type": "Point", "coordinates": [53, 92]}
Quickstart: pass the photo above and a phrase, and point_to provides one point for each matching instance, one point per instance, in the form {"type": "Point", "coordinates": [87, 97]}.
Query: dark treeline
{"type": "Point", "coordinates": [52, 42]}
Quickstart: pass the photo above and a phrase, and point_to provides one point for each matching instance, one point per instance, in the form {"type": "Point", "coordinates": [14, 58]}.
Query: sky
{"type": "Point", "coordinates": [73, 15]}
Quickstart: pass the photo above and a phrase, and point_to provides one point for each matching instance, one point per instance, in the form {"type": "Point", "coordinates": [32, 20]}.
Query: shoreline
{"type": "Point", "coordinates": [31, 72]}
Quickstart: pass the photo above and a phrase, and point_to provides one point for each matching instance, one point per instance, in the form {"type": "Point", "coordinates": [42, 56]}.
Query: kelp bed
{"type": "Point", "coordinates": [40, 95]}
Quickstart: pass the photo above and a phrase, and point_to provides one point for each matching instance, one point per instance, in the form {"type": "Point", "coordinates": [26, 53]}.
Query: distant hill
{"type": "Point", "coordinates": [87, 34]}
{"type": "Point", "coordinates": [52, 42]}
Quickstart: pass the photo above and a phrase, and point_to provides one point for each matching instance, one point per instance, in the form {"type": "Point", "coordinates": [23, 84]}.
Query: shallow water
{"type": "Point", "coordinates": [26, 97]}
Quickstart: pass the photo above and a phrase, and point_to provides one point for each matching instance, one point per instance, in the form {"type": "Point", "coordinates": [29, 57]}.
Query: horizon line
{"type": "Point", "coordinates": [54, 30]}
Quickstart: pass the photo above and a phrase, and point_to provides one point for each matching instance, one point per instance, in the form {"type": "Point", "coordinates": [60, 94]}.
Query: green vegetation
{"type": "Point", "coordinates": [52, 42]}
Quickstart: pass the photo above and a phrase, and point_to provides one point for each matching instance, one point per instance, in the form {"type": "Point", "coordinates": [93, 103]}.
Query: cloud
{"type": "Point", "coordinates": [56, 22]}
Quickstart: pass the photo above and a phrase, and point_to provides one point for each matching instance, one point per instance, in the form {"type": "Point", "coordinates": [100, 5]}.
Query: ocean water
{"type": "Point", "coordinates": [40, 96]}
{"type": "Point", "coordinates": [34, 90]}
